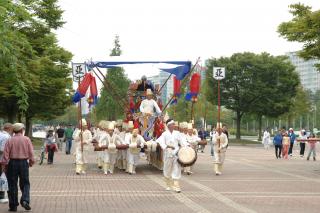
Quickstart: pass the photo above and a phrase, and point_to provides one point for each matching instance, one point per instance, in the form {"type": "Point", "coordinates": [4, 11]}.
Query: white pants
{"type": "Point", "coordinates": [219, 157]}
{"type": "Point", "coordinates": [110, 157]}
{"type": "Point", "coordinates": [171, 168]}
{"type": "Point", "coordinates": [133, 159]}
{"type": "Point", "coordinates": [81, 157]}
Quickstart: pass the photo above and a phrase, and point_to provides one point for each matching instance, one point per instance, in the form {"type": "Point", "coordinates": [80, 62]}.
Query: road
{"type": "Point", "coordinates": [252, 181]}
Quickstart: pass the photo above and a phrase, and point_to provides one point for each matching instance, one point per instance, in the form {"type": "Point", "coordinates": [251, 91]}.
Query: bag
{"type": "Point", "coordinates": [3, 183]}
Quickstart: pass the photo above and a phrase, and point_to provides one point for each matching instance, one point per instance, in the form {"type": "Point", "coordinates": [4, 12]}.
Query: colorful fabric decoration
{"type": "Point", "coordinates": [194, 88]}
{"type": "Point", "coordinates": [88, 80]}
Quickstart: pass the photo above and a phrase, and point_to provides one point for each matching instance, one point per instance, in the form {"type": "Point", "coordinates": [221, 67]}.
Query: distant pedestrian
{"type": "Point", "coordinates": [292, 136]}
{"type": "Point", "coordinates": [285, 145]}
{"type": "Point", "coordinates": [5, 135]}
{"type": "Point", "coordinates": [303, 143]}
{"type": "Point", "coordinates": [312, 147]}
{"type": "Point", "coordinates": [202, 134]}
{"type": "Point", "coordinates": [60, 137]}
{"type": "Point", "coordinates": [51, 146]}
{"type": "Point", "coordinates": [277, 141]}
{"type": "Point", "coordinates": [266, 138]}
{"type": "Point", "coordinates": [16, 160]}
{"type": "Point", "coordinates": [212, 141]}
{"type": "Point", "coordinates": [68, 135]}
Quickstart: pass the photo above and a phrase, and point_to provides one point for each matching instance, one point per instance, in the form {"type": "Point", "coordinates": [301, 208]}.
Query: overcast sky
{"type": "Point", "coordinates": [174, 29]}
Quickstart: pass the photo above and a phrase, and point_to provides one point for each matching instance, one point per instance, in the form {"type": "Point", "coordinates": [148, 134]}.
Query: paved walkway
{"type": "Point", "coordinates": [253, 181]}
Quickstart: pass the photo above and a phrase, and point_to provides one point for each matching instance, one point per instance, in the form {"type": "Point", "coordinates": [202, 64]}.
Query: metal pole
{"type": "Point", "coordinates": [165, 83]}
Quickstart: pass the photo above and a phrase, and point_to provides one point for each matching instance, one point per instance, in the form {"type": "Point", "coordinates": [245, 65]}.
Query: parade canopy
{"type": "Point", "coordinates": [179, 68]}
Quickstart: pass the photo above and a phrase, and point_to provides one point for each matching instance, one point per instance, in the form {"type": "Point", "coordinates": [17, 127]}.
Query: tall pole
{"type": "Point", "coordinates": [80, 118]}
{"type": "Point", "coordinates": [219, 108]}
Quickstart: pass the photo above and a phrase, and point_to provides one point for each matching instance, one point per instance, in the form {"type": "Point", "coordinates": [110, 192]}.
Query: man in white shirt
{"type": "Point", "coordinates": [171, 141]}
{"type": "Point", "coordinates": [5, 135]}
{"type": "Point", "coordinates": [148, 105]}
{"type": "Point", "coordinates": [220, 148]}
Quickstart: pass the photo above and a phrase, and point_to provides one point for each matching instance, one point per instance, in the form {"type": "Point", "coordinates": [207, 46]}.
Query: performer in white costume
{"type": "Point", "coordinates": [220, 148]}
{"type": "Point", "coordinates": [171, 141]}
{"type": "Point", "coordinates": [122, 154]}
{"type": "Point", "coordinates": [81, 159]}
{"type": "Point", "coordinates": [135, 142]}
{"type": "Point", "coordinates": [104, 138]}
{"type": "Point", "coordinates": [111, 153]}
{"type": "Point", "coordinates": [193, 141]}
{"type": "Point", "coordinates": [148, 105]}
{"type": "Point", "coordinates": [96, 138]}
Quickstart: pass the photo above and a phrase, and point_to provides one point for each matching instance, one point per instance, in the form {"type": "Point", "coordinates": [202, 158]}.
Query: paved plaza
{"type": "Point", "coordinates": [253, 181]}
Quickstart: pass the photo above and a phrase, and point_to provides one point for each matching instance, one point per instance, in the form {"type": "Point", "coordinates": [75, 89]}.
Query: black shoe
{"type": "Point", "coordinates": [25, 205]}
{"type": "Point", "coordinates": [307, 158]}
{"type": "Point", "coordinates": [314, 158]}
{"type": "Point", "coordinates": [12, 209]}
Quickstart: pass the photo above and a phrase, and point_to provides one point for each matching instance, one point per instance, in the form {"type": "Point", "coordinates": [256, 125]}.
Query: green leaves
{"type": "Point", "coordinates": [303, 28]}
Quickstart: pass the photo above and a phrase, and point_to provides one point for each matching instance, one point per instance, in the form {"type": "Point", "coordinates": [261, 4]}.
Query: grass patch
{"type": "Point", "coordinates": [242, 141]}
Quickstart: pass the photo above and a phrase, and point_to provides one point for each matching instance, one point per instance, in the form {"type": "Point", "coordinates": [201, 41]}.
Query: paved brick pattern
{"type": "Point", "coordinates": [252, 181]}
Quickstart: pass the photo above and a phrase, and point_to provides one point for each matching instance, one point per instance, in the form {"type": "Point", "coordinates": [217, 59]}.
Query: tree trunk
{"type": "Point", "coordinates": [28, 126]}
{"type": "Point", "coordinates": [238, 133]}
{"type": "Point", "coordinates": [260, 127]}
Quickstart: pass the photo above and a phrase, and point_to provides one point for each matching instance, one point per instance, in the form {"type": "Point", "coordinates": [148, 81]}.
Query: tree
{"type": "Point", "coordinates": [254, 84]}
{"type": "Point", "coordinates": [304, 28]}
{"type": "Point", "coordinates": [108, 106]}
{"type": "Point", "coordinates": [37, 79]}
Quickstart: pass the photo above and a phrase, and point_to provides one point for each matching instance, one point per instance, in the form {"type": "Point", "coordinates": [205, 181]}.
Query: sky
{"type": "Point", "coordinates": [174, 29]}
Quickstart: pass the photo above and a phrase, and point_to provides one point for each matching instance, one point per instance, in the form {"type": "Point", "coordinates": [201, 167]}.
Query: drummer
{"type": "Point", "coordinates": [193, 141]}
{"type": "Point", "coordinates": [135, 142]}
{"type": "Point", "coordinates": [170, 141]}
{"type": "Point", "coordinates": [220, 147]}
{"type": "Point", "coordinates": [112, 150]}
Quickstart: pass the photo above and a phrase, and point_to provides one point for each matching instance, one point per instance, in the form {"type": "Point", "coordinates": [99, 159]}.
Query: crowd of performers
{"type": "Point", "coordinates": [118, 144]}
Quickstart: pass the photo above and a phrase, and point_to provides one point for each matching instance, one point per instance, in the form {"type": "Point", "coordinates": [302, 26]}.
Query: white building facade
{"type": "Point", "coordinates": [309, 76]}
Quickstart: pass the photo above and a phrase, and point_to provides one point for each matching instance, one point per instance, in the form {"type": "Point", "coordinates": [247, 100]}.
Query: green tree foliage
{"type": "Point", "coordinates": [254, 84]}
{"type": "Point", "coordinates": [109, 106]}
{"type": "Point", "coordinates": [34, 65]}
{"type": "Point", "coordinates": [304, 28]}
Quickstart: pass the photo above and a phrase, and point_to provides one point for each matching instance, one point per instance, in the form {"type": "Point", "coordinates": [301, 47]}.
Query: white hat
{"type": "Point", "coordinates": [111, 126]}
{"type": "Point", "coordinates": [189, 126]}
{"type": "Point", "coordinates": [149, 92]}
{"type": "Point", "coordinates": [290, 129]}
{"type": "Point", "coordinates": [124, 125]}
{"type": "Point", "coordinates": [84, 122]}
{"type": "Point", "coordinates": [17, 127]}
{"type": "Point", "coordinates": [176, 123]}
{"type": "Point", "coordinates": [119, 122]}
{"type": "Point", "coordinates": [181, 125]}
{"type": "Point", "coordinates": [103, 124]}
{"type": "Point", "coordinates": [130, 125]}
{"type": "Point", "coordinates": [219, 125]}
{"type": "Point", "coordinates": [185, 125]}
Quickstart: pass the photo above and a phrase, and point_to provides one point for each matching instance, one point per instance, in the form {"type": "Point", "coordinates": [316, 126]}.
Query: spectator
{"type": "Point", "coordinates": [60, 137]}
{"type": "Point", "coordinates": [16, 160]}
{"type": "Point", "coordinates": [51, 146]}
{"type": "Point", "coordinates": [266, 138]}
{"type": "Point", "coordinates": [212, 134]}
{"type": "Point", "coordinates": [292, 140]}
{"type": "Point", "coordinates": [202, 134]}
{"type": "Point", "coordinates": [312, 147]}
{"type": "Point", "coordinates": [68, 134]}
{"type": "Point", "coordinates": [285, 145]}
{"type": "Point", "coordinates": [5, 135]}
{"type": "Point", "coordinates": [277, 141]}
{"type": "Point", "coordinates": [303, 143]}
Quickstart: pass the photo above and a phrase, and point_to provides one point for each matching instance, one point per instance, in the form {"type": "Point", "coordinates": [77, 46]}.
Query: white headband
{"type": "Point", "coordinates": [170, 122]}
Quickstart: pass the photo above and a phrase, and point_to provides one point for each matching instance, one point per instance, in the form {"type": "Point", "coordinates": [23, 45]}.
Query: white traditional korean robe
{"type": "Point", "coordinates": [171, 167]}
{"type": "Point", "coordinates": [148, 106]}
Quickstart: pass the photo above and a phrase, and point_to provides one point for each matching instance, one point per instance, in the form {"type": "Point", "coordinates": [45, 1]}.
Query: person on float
{"type": "Point", "coordinates": [135, 142]}
{"type": "Point", "coordinates": [144, 84]}
{"type": "Point", "coordinates": [148, 105]}
{"type": "Point", "coordinates": [81, 155]}
{"type": "Point", "coordinates": [220, 148]}
{"type": "Point", "coordinates": [193, 141]}
{"type": "Point", "coordinates": [171, 141]}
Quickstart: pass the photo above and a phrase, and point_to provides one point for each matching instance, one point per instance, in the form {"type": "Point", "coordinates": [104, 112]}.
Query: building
{"type": "Point", "coordinates": [167, 90]}
{"type": "Point", "coordinates": [309, 76]}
